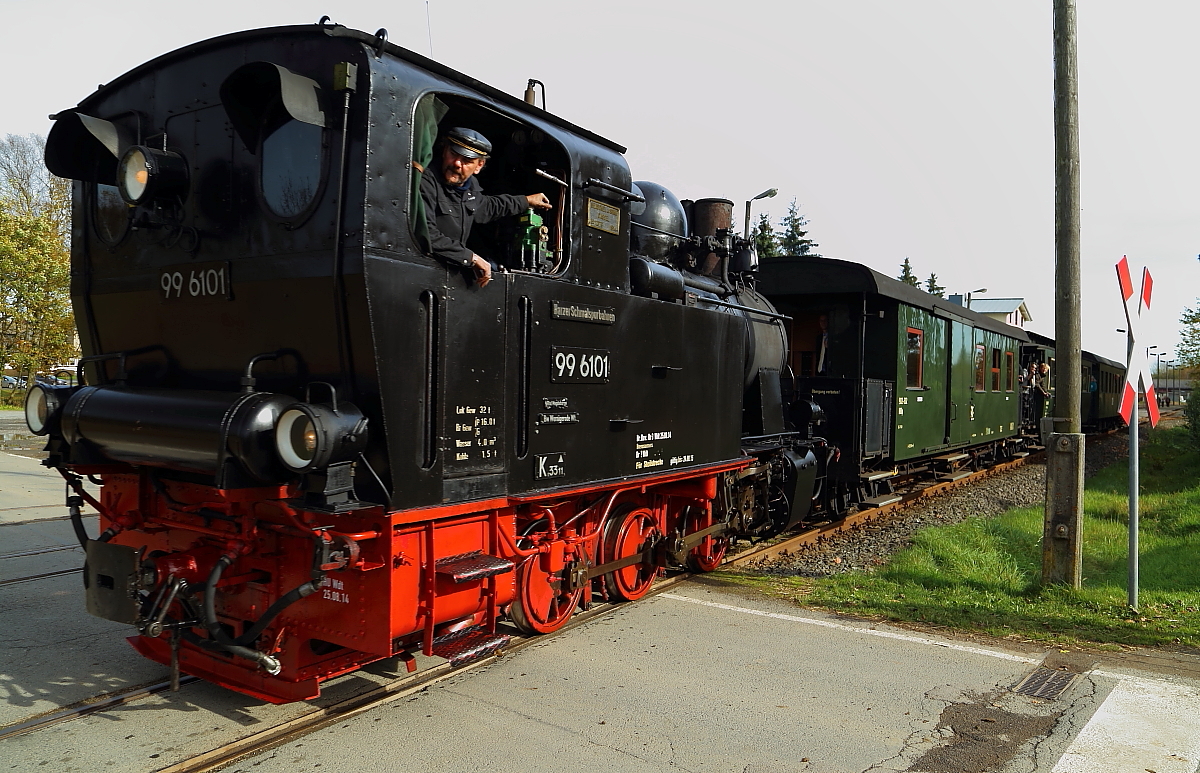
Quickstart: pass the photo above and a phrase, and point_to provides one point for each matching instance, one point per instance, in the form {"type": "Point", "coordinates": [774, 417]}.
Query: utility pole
{"type": "Point", "coordinates": [1062, 537]}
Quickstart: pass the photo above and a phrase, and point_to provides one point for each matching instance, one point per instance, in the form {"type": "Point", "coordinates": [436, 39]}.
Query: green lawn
{"type": "Point", "coordinates": [983, 574]}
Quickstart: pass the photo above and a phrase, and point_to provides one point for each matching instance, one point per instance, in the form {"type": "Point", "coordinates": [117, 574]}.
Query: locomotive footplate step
{"type": "Point", "coordinates": [953, 476]}
{"type": "Point", "coordinates": [473, 566]}
{"type": "Point", "coordinates": [882, 500]}
{"type": "Point", "coordinates": [951, 458]}
{"type": "Point", "coordinates": [468, 644]}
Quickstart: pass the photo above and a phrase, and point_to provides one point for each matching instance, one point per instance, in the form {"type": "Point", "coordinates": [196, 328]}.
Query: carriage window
{"type": "Point", "coordinates": [291, 167]}
{"type": "Point", "coordinates": [995, 370]}
{"type": "Point", "coordinates": [1010, 371]}
{"type": "Point", "coordinates": [980, 368]}
{"type": "Point", "coordinates": [915, 350]}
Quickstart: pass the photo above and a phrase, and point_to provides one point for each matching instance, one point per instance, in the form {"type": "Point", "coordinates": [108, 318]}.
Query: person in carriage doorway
{"type": "Point", "coordinates": [454, 201]}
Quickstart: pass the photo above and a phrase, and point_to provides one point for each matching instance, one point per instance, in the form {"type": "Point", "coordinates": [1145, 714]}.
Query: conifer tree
{"type": "Point", "coordinates": [907, 276]}
{"type": "Point", "coordinates": [766, 242]}
{"type": "Point", "coordinates": [933, 288]}
{"type": "Point", "coordinates": [793, 240]}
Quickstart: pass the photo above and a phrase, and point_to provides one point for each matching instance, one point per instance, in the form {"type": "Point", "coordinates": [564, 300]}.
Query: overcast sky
{"type": "Point", "coordinates": [919, 129]}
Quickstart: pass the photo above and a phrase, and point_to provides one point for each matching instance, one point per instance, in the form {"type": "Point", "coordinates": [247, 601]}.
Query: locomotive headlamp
{"type": "Point", "coordinates": [145, 174]}
{"type": "Point", "coordinates": [311, 437]}
{"type": "Point", "coordinates": [43, 407]}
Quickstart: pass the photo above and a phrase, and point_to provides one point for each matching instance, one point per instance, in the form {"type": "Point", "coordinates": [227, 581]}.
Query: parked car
{"type": "Point", "coordinates": [12, 382]}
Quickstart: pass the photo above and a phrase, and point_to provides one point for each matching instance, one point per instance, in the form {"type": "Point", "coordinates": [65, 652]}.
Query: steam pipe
{"type": "Point", "coordinates": [219, 638]}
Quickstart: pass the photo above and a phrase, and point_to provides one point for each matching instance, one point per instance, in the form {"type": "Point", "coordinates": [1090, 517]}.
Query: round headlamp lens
{"type": "Point", "coordinates": [133, 175]}
{"type": "Point", "coordinates": [37, 410]}
{"type": "Point", "coordinates": [296, 439]}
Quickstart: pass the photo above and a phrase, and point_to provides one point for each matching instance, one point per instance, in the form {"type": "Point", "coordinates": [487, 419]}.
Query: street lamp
{"type": "Point", "coordinates": [769, 193]}
{"type": "Point", "coordinates": [980, 290]}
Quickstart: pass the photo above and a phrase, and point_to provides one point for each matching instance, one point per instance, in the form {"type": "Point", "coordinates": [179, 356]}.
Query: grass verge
{"type": "Point", "coordinates": [982, 575]}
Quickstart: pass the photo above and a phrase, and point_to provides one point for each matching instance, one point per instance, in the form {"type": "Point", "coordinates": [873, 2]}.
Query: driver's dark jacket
{"type": "Point", "coordinates": [450, 212]}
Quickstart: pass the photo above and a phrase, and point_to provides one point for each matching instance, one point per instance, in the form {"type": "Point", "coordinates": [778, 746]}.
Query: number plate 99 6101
{"type": "Point", "coordinates": [572, 365]}
{"type": "Point", "coordinates": [196, 281]}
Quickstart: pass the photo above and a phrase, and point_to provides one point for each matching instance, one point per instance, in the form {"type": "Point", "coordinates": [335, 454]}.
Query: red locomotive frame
{"type": "Point", "coordinates": [437, 579]}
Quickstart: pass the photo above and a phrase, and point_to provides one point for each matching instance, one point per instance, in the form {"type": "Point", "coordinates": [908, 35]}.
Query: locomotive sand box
{"type": "Point", "coordinates": [320, 446]}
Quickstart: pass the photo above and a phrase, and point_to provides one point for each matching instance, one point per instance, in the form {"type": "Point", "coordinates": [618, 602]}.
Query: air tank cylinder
{"type": "Point", "coordinates": [189, 430]}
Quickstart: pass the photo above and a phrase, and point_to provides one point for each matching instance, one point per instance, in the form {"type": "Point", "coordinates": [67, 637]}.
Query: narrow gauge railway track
{"type": "Point", "coordinates": [39, 552]}
{"type": "Point", "coordinates": [815, 534]}
{"type": "Point", "coordinates": [404, 686]}
{"type": "Point", "coordinates": [318, 718]}
{"type": "Point", "coordinates": [43, 576]}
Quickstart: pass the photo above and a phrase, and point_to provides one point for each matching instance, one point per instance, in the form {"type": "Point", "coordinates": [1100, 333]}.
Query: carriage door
{"type": "Point", "coordinates": [473, 357]}
{"type": "Point", "coordinates": [961, 382]}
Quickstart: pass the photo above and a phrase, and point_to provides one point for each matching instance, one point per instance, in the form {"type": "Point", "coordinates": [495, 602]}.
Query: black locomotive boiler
{"type": "Point", "coordinates": [318, 446]}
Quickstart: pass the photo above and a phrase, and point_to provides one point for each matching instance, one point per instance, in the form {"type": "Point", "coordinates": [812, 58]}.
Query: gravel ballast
{"type": "Point", "coordinates": [871, 544]}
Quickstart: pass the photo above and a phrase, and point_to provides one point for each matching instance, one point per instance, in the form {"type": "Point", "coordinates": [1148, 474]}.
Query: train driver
{"type": "Point", "coordinates": [454, 201]}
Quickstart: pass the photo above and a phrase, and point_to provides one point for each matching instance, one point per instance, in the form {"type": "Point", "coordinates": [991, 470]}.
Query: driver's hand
{"type": "Point", "coordinates": [483, 270]}
{"type": "Point", "coordinates": [539, 201]}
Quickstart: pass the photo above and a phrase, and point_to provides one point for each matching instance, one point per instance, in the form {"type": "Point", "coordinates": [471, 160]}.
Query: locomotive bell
{"type": "Point", "coordinates": [661, 212]}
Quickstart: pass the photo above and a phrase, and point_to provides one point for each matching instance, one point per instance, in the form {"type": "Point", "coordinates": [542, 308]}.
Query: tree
{"type": "Point", "coordinates": [766, 242]}
{"type": "Point", "coordinates": [1189, 338]}
{"type": "Point", "coordinates": [37, 329]}
{"type": "Point", "coordinates": [794, 239]}
{"type": "Point", "coordinates": [28, 189]}
{"type": "Point", "coordinates": [907, 276]}
{"type": "Point", "coordinates": [933, 288]}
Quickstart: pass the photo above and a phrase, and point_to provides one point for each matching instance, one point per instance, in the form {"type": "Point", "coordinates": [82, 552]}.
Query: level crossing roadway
{"type": "Point", "coordinates": [702, 677]}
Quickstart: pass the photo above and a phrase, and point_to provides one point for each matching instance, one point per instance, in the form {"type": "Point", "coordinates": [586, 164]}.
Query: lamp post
{"type": "Point", "coordinates": [980, 290]}
{"type": "Point", "coordinates": [769, 193]}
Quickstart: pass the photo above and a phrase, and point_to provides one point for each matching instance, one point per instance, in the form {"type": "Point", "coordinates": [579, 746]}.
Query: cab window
{"type": "Point", "coordinates": [536, 244]}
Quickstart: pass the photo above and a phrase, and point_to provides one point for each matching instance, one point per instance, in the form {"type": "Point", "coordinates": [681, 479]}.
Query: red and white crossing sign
{"type": "Point", "coordinates": [1139, 364]}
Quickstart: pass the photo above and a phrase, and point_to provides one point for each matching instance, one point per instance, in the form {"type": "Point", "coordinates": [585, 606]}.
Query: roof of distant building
{"type": "Point", "coordinates": [1001, 306]}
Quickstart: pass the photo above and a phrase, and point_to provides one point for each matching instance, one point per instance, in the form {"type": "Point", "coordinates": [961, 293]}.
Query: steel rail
{"type": "Point", "coordinates": [44, 576]}
{"type": "Point", "coordinates": [94, 704]}
{"type": "Point", "coordinates": [40, 551]}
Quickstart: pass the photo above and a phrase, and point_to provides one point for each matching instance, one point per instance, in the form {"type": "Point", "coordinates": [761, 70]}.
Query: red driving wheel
{"type": "Point", "coordinates": [629, 533]}
{"type": "Point", "coordinates": [543, 603]}
{"type": "Point", "coordinates": [708, 555]}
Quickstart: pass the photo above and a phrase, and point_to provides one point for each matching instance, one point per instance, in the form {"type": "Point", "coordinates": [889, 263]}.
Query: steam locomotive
{"type": "Point", "coordinates": [318, 446]}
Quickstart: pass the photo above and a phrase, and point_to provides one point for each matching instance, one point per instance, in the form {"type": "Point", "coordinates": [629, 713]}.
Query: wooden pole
{"type": "Point", "coordinates": [1062, 535]}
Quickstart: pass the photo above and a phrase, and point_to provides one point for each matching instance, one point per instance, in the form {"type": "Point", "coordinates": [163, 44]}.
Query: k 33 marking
{"type": "Point", "coordinates": [196, 281]}
{"type": "Point", "coordinates": [550, 466]}
{"type": "Point", "coordinates": [572, 365]}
